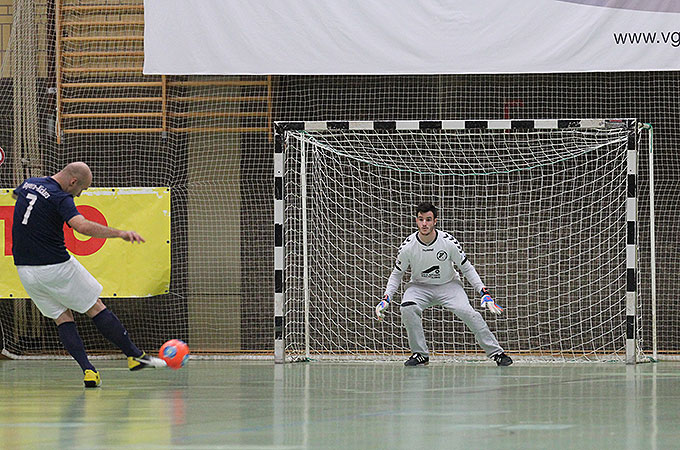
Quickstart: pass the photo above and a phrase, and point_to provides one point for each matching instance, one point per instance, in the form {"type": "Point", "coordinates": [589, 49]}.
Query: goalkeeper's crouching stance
{"type": "Point", "coordinates": [431, 254]}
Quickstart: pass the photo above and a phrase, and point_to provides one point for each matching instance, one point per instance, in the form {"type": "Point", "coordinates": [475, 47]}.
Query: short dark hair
{"type": "Point", "coordinates": [426, 207]}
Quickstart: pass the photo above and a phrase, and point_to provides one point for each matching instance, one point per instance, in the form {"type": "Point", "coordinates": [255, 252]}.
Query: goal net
{"type": "Point", "coordinates": [545, 210]}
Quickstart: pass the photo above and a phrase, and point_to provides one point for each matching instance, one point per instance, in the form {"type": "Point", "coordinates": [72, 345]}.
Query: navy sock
{"type": "Point", "coordinates": [110, 326]}
{"type": "Point", "coordinates": [68, 333]}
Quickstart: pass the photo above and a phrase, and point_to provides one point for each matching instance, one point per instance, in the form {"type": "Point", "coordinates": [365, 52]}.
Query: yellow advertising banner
{"type": "Point", "coordinates": [123, 269]}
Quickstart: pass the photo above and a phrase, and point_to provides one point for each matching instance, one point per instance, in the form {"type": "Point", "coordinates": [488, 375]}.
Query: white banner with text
{"type": "Point", "coordinates": [409, 37]}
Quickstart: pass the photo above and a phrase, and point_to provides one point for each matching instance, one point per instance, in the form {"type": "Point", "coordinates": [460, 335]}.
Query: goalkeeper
{"type": "Point", "coordinates": [430, 254]}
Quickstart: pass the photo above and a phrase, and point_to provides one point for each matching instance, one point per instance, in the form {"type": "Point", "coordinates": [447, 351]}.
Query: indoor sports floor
{"type": "Point", "coordinates": [253, 405]}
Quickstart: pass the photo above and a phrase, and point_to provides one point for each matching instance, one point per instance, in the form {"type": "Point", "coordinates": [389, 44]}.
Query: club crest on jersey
{"type": "Point", "coordinates": [442, 255]}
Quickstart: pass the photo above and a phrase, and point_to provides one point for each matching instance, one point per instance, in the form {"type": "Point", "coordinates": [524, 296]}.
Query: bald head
{"type": "Point", "coordinates": [74, 178]}
{"type": "Point", "coordinates": [78, 169]}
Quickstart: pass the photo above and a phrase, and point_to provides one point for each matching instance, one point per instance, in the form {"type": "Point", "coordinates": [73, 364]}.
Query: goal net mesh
{"type": "Point", "coordinates": [540, 213]}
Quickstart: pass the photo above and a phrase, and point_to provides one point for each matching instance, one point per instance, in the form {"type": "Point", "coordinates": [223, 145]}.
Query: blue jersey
{"type": "Point", "coordinates": [41, 209]}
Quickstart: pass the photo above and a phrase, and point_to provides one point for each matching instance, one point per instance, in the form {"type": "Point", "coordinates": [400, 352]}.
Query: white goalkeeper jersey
{"type": "Point", "coordinates": [432, 263]}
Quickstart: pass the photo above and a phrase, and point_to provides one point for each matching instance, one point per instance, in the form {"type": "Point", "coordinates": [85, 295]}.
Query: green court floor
{"type": "Point", "coordinates": [252, 405]}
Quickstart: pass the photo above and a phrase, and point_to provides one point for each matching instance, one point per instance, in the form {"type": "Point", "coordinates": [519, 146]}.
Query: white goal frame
{"type": "Point", "coordinates": [281, 128]}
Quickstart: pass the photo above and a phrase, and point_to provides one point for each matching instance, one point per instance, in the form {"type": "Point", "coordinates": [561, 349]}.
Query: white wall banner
{"type": "Point", "coordinates": [409, 36]}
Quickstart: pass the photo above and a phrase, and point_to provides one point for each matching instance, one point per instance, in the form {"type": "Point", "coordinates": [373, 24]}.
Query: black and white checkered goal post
{"type": "Point", "coordinates": [631, 250]}
{"type": "Point", "coordinates": [279, 355]}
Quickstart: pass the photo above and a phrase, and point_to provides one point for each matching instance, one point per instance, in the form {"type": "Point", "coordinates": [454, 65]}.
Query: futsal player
{"type": "Point", "coordinates": [431, 254]}
{"type": "Point", "coordinates": [56, 282]}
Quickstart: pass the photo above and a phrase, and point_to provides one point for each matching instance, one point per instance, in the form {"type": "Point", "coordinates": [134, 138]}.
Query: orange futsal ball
{"type": "Point", "coordinates": [175, 353]}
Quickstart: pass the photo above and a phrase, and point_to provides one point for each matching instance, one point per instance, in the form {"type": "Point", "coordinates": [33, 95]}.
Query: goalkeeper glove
{"type": "Point", "coordinates": [382, 306]}
{"type": "Point", "coordinates": [488, 302]}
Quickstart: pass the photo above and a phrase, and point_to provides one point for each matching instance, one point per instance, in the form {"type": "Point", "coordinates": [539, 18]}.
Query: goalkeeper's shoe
{"type": "Point", "coordinates": [417, 359]}
{"type": "Point", "coordinates": [92, 379]}
{"type": "Point", "coordinates": [502, 359]}
{"type": "Point", "coordinates": [143, 361]}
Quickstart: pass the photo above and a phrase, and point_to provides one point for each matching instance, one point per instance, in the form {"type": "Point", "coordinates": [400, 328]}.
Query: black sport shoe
{"type": "Point", "coordinates": [502, 359]}
{"type": "Point", "coordinates": [417, 359]}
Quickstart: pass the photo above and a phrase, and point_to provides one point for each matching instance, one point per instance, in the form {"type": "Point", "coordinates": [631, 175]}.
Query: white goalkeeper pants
{"type": "Point", "coordinates": [451, 296]}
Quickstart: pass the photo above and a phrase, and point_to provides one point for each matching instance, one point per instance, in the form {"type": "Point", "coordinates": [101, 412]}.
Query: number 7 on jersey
{"type": "Point", "coordinates": [27, 214]}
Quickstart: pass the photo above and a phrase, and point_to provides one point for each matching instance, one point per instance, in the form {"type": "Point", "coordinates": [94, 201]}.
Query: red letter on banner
{"type": "Point", "coordinates": [90, 246]}
{"type": "Point", "coordinates": [7, 214]}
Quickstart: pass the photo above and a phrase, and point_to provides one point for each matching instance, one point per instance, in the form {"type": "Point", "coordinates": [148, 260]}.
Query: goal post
{"type": "Point", "coordinates": [545, 209]}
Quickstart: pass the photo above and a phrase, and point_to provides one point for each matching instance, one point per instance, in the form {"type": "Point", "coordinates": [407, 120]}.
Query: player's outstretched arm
{"type": "Point", "coordinates": [94, 229]}
{"type": "Point", "coordinates": [489, 303]}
